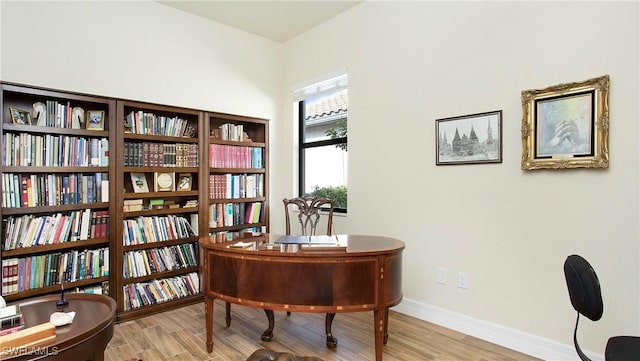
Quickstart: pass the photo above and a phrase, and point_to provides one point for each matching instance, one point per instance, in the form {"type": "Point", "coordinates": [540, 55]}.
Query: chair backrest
{"type": "Point", "coordinates": [308, 208]}
{"type": "Point", "coordinates": [584, 292]}
{"type": "Point", "coordinates": [584, 287]}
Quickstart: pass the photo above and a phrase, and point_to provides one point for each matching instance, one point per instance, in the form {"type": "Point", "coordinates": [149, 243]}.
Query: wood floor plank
{"type": "Point", "coordinates": [180, 335]}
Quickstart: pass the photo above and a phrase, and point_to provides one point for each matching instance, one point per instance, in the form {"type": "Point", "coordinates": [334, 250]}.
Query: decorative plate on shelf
{"type": "Point", "coordinates": [77, 118]}
{"type": "Point", "coordinates": [39, 114]}
{"type": "Point", "coordinates": [165, 182]}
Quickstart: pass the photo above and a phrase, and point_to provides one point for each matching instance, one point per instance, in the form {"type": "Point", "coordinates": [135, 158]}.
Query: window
{"type": "Point", "coordinates": [323, 140]}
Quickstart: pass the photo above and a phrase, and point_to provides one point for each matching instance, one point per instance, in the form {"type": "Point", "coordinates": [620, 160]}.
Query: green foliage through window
{"type": "Point", "coordinates": [339, 131]}
{"type": "Point", "coordinates": [338, 193]}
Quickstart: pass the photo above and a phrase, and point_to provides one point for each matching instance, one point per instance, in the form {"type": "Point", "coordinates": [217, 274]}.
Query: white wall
{"type": "Point", "coordinates": [140, 50]}
{"type": "Point", "coordinates": [410, 63]}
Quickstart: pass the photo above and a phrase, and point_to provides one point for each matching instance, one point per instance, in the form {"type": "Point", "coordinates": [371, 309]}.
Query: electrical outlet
{"type": "Point", "coordinates": [441, 275]}
{"type": "Point", "coordinates": [463, 280]}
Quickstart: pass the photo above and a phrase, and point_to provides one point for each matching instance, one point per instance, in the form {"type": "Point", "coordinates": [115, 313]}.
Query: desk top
{"type": "Point", "coordinates": [94, 314]}
{"type": "Point", "coordinates": [271, 243]}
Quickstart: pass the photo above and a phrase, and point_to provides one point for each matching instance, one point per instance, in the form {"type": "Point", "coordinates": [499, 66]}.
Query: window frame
{"type": "Point", "coordinates": [307, 145]}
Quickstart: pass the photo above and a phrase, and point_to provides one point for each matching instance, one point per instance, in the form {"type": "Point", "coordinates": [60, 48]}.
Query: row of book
{"type": "Point", "coordinates": [35, 190]}
{"type": "Point", "coordinates": [149, 261]}
{"type": "Point", "coordinates": [152, 229]}
{"type": "Point", "coordinates": [25, 273]}
{"type": "Point", "coordinates": [139, 122]}
{"type": "Point", "coordinates": [147, 154]}
{"type": "Point", "coordinates": [231, 214]}
{"type": "Point", "coordinates": [50, 150]}
{"type": "Point", "coordinates": [142, 294]}
{"type": "Point", "coordinates": [233, 186]}
{"type": "Point", "coordinates": [52, 113]}
{"type": "Point", "coordinates": [233, 156]}
{"type": "Point", "coordinates": [30, 230]}
{"type": "Point", "coordinates": [233, 132]}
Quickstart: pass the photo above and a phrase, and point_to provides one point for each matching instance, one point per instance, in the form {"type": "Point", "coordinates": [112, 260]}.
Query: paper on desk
{"type": "Point", "coordinates": [62, 318]}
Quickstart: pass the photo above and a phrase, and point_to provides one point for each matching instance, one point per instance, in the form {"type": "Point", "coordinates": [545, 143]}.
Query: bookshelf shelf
{"type": "Point", "coordinates": [68, 286]}
{"type": "Point", "coordinates": [54, 172]}
{"type": "Point", "coordinates": [90, 243]}
{"type": "Point", "coordinates": [159, 307]}
{"type": "Point", "coordinates": [50, 209]}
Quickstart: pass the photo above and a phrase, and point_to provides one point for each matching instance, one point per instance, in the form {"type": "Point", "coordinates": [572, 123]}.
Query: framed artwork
{"type": "Point", "coordinates": [95, 119]}
{"type": "Point", "coordinates": [19, 116]}
{"type": "Point", "coordinates": [184, 182]}
{"type": "Point", "coordinates": [165, 182]}
{"type": "Point", "coordinates": [139, 182]}
{"type": "Point", "coordinates": [566, 126]}
{"type": "Point", "coordinates": [469, 139]}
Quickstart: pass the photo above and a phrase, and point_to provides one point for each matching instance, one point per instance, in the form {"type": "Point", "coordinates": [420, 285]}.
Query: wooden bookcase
{"type": "Point", "coordinates": [122, 206]}
{"type": "Point", "coordinates": [57, 170]}
{"type": "Point", "coordinates": [157, 262]}
{"type": "Point", "coordinates": [237, 158]}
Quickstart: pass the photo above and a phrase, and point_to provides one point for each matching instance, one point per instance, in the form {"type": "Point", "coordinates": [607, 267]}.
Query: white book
{"type": "Point", "coordinates": [84, 227]}
{"type": "Point", "coordinates": [104, 190]}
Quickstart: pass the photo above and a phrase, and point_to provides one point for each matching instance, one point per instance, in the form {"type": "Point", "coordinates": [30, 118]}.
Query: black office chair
{"type": "Point", "coordinates": [586, 298]}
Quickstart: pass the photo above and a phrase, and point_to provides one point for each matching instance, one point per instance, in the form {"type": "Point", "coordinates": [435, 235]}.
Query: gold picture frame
{"type": "Point", "coordinates": [95, 119]}
{"type": "Point", "coordinates": [184, 182]}
{"type": "Point", "coordinates": [566, 125]}
{"type": "Point", "coordinates": [19, 116]}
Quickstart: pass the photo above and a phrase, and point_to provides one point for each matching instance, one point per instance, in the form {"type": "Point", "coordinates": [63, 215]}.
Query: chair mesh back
{"type": "Point", "coordinates": [584, 287]}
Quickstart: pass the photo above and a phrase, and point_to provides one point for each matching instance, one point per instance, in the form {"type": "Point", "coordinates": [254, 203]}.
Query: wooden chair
{"type": "Point", "coordinates": [309, 209]}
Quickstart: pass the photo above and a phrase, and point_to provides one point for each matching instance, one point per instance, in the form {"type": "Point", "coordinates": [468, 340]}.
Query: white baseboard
{"type": "Point", "coordinates": [526, 343]}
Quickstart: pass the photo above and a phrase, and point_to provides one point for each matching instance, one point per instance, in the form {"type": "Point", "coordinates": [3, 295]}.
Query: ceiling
{"type": "Point", "coordinates": [278, 20]}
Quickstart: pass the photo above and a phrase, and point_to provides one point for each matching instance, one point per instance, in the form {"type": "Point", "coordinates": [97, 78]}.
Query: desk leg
{"type": "Point", "coordinates": [267, 335]}
{"type": "Point", "coordinates": [386, 325]}
{"type": "Point", "coordinates": [208, 315]}
{"type": "Point", "coordinates": [379, 316]}
{"type": "Point", "coordinates": [331, 341]}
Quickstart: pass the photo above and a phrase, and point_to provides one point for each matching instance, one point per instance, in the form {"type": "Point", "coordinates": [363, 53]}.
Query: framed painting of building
{"type": "Point", "coordinates": [469, 139]}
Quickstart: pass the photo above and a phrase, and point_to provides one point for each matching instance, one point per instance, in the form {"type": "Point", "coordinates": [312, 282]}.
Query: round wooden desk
{"type": "Point", "coordinates": [362, 273]}
{"type": "Point", "coordinates": [85, 339]}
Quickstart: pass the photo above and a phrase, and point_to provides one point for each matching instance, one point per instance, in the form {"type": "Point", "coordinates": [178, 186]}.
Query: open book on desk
{"type": "Point", "coordinates": [328, 240]}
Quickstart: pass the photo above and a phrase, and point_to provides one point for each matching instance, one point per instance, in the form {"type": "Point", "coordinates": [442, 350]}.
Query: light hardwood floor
{"type": "Point", "coordinates": [180, 335]}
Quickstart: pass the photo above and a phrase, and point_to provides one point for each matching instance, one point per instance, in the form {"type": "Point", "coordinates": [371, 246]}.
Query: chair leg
{"type": "Point", "coordinates": [583, 357]}
{"type": "Point", "coordinates": [331, 341]}
{"type": "Point", "coordinates": [228, 314]}
{"type": "Point", "coordinates": [267, 335]}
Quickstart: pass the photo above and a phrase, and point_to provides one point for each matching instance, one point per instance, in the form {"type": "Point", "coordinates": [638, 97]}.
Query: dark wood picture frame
{"type": "Point", "coordinates": [469, 139]}
{"type": "Point", "coordinates": [184, 182]}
